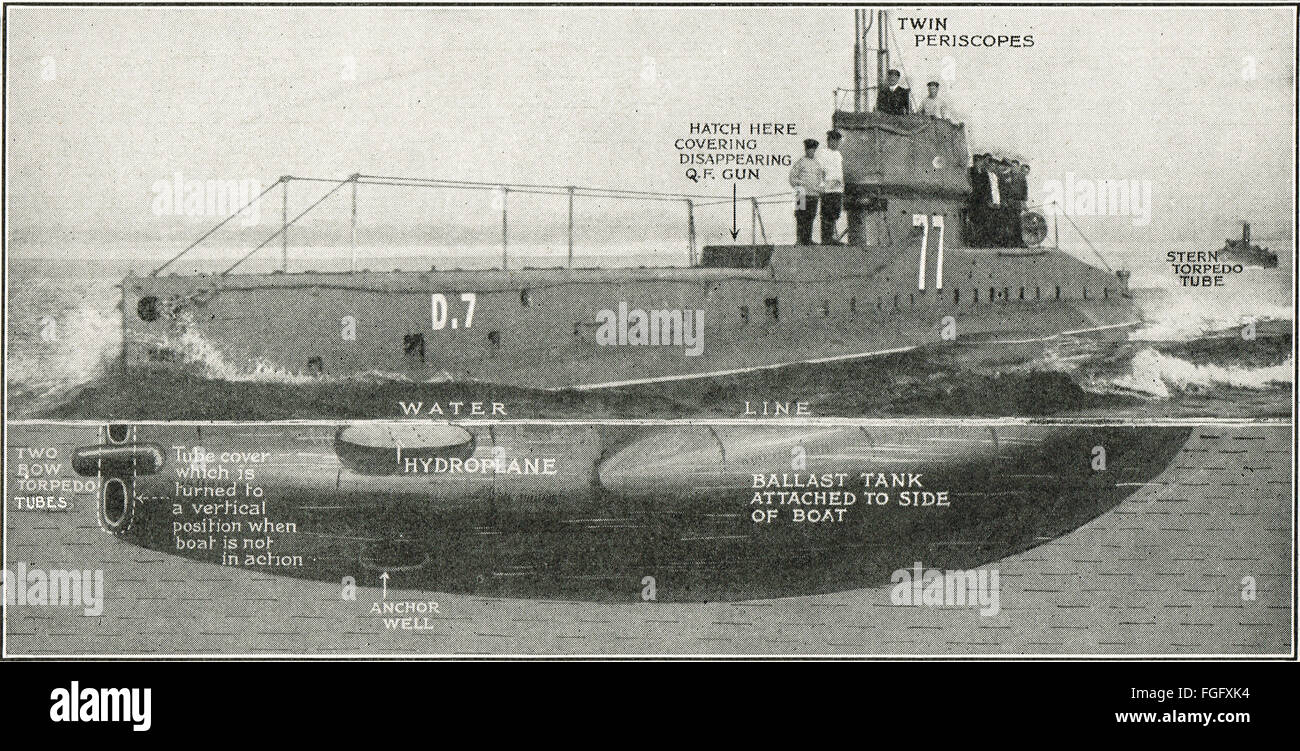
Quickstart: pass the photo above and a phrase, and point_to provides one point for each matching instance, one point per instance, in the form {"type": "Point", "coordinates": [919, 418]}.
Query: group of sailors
{"type": "Point", "coordinates": [818, 180]}
{"type": "Point", "coordinates": [896, 99]}
{"type": "Point", "coordinates": [999, 192]}
{"type": "Point", "coordinates": [999, 187]}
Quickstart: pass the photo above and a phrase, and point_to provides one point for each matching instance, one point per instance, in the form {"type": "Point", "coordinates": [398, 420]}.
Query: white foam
{"type": "Point", "coordinates": [212, 362]}
{"type": "Point", "coordinates": [1183, 318]}
{"type": "Point", "coordinates": [1161, 376]}
{"type": "Point", "coordinates": [86, 342]}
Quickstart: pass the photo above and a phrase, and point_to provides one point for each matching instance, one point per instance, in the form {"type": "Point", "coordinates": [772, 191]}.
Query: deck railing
{"type": "Point", "coordinates": [572, 192]}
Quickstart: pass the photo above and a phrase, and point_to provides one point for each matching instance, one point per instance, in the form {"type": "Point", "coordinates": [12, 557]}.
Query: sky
{"type": "Point", "coordinates": [102, 103]}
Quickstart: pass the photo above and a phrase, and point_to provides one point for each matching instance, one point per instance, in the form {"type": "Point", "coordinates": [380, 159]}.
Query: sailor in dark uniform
{"type": "Point", "coordinates": [979, 184]}
{"type": "Point", "coordinates": [1005, 212]}
{"type": "Point", "coordinates": [1024, 183]}
{"type": "Point", "coordinates": [981, 199]}
{"type": "Point", "coordinates": [895, 99]}
{"type": "Point", "coordinates": [1019, 197]}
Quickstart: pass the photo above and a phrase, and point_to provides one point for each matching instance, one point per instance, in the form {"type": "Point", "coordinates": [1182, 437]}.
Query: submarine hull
{"type": "Point", "coordinates": [601, 512]}
{"type": "Point", "coordinates": [592, 328]}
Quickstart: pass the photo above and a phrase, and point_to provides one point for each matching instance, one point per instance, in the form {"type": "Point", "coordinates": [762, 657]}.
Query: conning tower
{"type": "Point", "coordinates": [898, 166]}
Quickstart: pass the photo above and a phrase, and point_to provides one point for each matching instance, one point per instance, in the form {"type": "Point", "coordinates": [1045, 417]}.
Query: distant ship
{"type": "Point", "coordinates": [1245, 253]}
{"type": "Point", "coordinates": [908, 277]}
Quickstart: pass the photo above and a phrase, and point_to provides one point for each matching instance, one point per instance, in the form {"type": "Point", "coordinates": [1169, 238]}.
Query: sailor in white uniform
{"type": "Point", "coordinates": [934, 105]}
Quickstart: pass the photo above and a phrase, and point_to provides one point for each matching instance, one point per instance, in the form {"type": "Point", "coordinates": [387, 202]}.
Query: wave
{"type": "Point", "coordinates": [1183, 318]}
{"type": "Point", "coordinates": [211, 362]}
{"type": "Point", "coordinates": [63, 353]}
{"type": "Point", "coordinates": [1160, 375]}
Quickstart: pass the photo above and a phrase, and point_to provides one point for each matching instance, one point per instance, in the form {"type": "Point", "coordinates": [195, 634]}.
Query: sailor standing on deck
{"type": "Point", "coordinates": [1019, 197]}
{"type": "Point", "coordinates": [832, 199]}
{"type": "Point", "coordinates": [983, 202]}
{"type": "Point", "coordinates": [806, 177]}
{"type": "Point", "coordinates": [933, 105]}
{"type": "Point", "coordinates": [895, 99]}
{"type": "Point", "coordinates": [1024, 184]}
{"type": "Point", "coordinates": [1005, 198]}
{"type": "Point", "coordinates": [993, 200]}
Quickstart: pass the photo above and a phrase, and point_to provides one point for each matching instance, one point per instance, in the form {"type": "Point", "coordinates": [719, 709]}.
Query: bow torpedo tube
{"type": "Point", "coordinates": [116, 463]}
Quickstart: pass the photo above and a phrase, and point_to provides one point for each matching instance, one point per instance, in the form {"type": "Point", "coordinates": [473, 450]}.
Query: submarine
{"type": "Point", "coordinates": [911, 274]}
{"type": "Point", "coordinates": [724, 512]}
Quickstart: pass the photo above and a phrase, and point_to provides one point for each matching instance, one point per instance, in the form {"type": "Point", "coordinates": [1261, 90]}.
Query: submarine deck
{"type": "Point", "coordinates": [485, 279]}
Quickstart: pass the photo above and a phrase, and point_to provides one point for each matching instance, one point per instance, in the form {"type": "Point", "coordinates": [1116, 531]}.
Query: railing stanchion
{"type": "Point", "coordinates": [354, 223]}
{"type": "Point", "coordinates": [690, 231]}
{"type": "Point", "coordinates": [571, 226]}
{"type": "Point", "coordinates": [287, 222]}
{"type": "Point", "coordinates": [284, 223]}
{"type": "Point", "coordinates": [505, 264]}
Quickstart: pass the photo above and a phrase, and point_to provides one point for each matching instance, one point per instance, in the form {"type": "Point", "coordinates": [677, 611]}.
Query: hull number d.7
{"type": "Point", "coordinates": [439, 308]}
